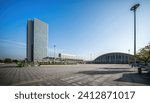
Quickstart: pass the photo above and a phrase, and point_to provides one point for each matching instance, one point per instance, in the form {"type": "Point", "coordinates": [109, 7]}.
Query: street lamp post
{"type": "Point", "coordinates": [133, 8]}
{"type": "Point", "coordinates": [54, 51]}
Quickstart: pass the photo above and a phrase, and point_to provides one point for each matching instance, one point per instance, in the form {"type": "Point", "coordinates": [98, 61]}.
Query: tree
{"type": "Point", "coordinates": [1, 61]}
{"type": "Point", "coordinates": [7, 60]}
{"type": "Point", "coordinates": [144, 54]}
{"type": "Point", "coordinates": [15, 60]}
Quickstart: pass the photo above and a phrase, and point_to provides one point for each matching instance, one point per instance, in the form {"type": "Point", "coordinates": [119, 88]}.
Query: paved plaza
{"type": "Point", "coordinates": [73, 75]}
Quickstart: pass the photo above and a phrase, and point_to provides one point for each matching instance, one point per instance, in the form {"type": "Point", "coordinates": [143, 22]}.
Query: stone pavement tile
{"type": "Point", "coordinates": [88, 81]}
{"type": "Point", "coordinates": [15, 76]}
{"type": "Point", "coordinates": [8, 77]}
{"type": "Point", "coordinates": [22, 76]}
{"type": "Point", "coordinates": [77, 78]}
{"type": "Point", "coordinates": [73, 75]}
{"type": "Point", "coordinates": [72, 78]}
{"type": "Point", "coordinates": [74, 84]}
{"type": "Point", "coordinates": [68, 77]}
{"type": "Point", "coordinates": [29, 75]}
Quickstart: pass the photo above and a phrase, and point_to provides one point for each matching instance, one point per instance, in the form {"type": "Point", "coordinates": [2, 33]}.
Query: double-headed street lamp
{"type": "Point", "coordinates": [133, 8]}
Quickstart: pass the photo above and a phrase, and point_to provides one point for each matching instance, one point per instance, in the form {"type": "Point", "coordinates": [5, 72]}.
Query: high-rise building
{"type": "Point", "coordinates": [37, 40]}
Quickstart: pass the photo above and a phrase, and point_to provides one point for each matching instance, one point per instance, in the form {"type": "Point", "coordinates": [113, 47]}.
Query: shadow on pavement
{"type": "Point", "coordinates": [102, 72]}
{"type": "Point", "coordinates": [143, 78]}
{"type": "Point", "coordinates": [114, 68]}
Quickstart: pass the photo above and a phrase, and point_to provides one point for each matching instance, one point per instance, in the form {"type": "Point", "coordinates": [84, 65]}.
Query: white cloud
{"type": "Point", "coordinates": [12, 43]}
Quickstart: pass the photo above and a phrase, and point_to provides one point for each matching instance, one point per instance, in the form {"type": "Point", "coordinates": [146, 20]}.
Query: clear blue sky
{"type": "Point", "coordinates": [86, 28]}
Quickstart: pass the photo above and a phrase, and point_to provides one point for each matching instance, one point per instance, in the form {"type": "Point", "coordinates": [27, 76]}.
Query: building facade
{"type": "Point", "coordinates": [69, 58]}
{"type": "Point", "coordinates": [113, 58]}
{"type": "Point", "coordinates": [37, 40]}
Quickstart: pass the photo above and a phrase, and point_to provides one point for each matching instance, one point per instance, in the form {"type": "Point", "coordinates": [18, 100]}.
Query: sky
{"type": "Point", "coordinates": [85, 28]}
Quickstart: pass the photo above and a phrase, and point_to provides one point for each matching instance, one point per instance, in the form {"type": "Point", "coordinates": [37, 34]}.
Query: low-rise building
{"type": "Point", "coordinates": [113, 58]}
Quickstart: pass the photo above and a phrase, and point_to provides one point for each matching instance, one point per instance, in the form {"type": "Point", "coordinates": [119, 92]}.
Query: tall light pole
{"type": "Point", "coordinates": [133, 8]}
{"type": "Point", "coordinates": [54, 51]}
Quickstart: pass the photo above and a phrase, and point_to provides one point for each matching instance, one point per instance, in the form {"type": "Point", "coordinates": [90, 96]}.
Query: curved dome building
{"type": "Point", "coordinates": [113, 58]}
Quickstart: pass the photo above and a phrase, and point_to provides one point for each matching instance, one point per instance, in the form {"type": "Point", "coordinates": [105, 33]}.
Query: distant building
{"type": "Point", "coordinates": [37, 40]}
{"type": "Point", "coordinates": [69, 58]}
{"type": "Point", "coordinates": [113, 58]}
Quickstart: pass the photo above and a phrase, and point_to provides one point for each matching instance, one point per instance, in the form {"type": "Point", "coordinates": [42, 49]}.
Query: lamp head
{"type": "Point", "coordinates": [134, 7]}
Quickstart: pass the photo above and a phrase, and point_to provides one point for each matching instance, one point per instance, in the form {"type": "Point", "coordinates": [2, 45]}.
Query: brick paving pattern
{"type": "Point", "coordinates": [73, 75]}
